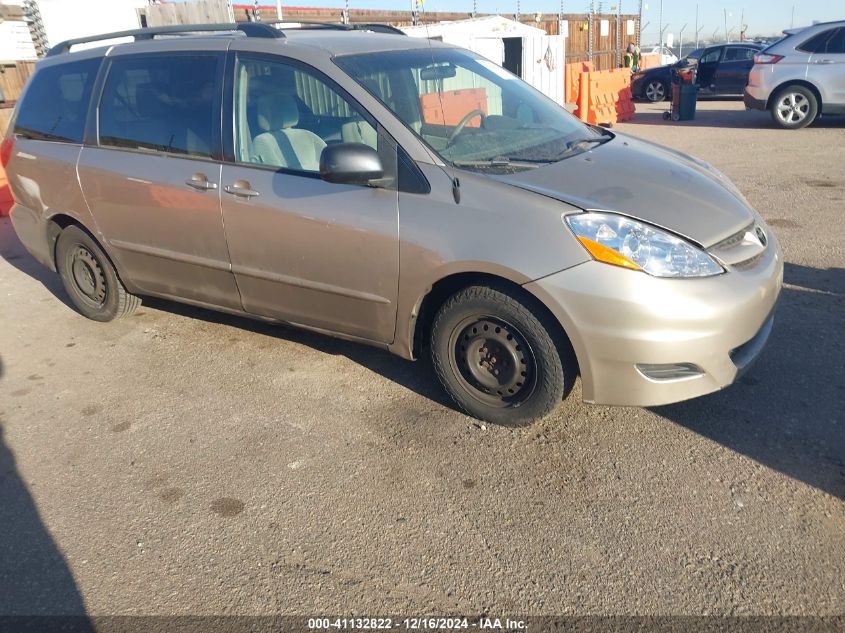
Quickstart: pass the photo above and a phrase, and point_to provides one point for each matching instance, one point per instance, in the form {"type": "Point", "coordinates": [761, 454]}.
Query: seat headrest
{"type": "Point", "coordinates": [277, 111]}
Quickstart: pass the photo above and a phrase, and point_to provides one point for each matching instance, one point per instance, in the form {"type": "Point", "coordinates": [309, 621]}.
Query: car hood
{"type": "Point", "coordinates": [645, 181]}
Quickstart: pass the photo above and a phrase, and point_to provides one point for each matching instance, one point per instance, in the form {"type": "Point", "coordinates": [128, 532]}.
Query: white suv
{"type": "Point", "coordinates": [801, 76]}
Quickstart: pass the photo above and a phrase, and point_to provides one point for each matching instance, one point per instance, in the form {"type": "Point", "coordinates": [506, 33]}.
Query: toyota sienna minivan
{"type": "Point", "coordinates": [395, 191]}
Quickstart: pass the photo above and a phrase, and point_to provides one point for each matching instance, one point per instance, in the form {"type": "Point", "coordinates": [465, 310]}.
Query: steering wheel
{"type": "Point", "coordinates": [469, 116]}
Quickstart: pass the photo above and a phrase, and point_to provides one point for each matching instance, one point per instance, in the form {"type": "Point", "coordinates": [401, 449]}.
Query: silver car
{"type": "Point", "coordinates": [394, 191]}
{"type": "Point", "coordinates": [801, 76]}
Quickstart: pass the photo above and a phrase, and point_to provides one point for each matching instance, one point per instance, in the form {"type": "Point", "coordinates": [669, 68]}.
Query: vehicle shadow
{"type": "Point", "coordinates": [731, 118]}
{"type": "Point", "coordinates": [37, 587]}
{"type": "Point", "coordinates": [787, 411]}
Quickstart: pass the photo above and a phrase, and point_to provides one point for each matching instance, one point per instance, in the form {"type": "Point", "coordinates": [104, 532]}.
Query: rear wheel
{"type": "Point", "coordinates": [794, 107]}
{"type": "Point", "coordinates": [90, 278]}
{"type": "Point", "coordinates": [655, 90]}
{"type": "Point", "coordinates": [496, 358]}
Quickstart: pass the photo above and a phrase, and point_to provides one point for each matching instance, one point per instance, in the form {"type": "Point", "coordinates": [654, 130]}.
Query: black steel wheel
{"type": "Point", "coordinates": [494, 361]}
{"type": "Point", "coordinates": [499, 355]}
{"type": "Point", "coordinates": [90, 278]}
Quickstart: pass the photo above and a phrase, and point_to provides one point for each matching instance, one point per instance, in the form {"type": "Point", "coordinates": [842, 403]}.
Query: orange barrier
{"type": "Point", "coordinates": [6, 200]}
{"type": "Point", "coordinates": [651, 60]}
{"type": "Point", "coordinates": [450, 106]}
{"type": "Point", "coordinates": [571, 77]}
{"type": "Point", "coordinates": [604, 97]}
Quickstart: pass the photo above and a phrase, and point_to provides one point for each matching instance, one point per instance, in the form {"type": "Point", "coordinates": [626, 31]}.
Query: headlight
{"type": "Point", "coordinates": [615, 239]}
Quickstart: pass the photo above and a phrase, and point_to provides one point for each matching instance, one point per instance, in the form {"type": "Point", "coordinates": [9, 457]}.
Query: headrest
{"type": "Point", "coordinates": [277, 111]}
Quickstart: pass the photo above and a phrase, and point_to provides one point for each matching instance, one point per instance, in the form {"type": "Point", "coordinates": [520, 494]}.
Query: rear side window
{"type": "Point", "coordinates": [55, 104]}
{"type": "Point", "coordinates": [739, 54]}
{"type": "Point", "coordinates": [831, 41]}
{"type": "Point", "coordinates": [711, 57]}
{"type": "Point", "coordinates": [159, 103]}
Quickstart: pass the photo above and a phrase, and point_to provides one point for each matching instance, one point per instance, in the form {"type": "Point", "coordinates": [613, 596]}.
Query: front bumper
{"type": "Point", "coordinates": [619, 319]}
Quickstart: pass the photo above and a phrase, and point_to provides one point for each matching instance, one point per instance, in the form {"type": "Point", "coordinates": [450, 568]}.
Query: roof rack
{"type": "Point", "coordinates": [336, 26]}
{"type": "Point", "coordinates": [250, 29]}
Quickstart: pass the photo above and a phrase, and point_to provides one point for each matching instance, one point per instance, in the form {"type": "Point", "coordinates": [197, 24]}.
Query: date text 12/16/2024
{"type": "Point", "coordinates": [504, 625]}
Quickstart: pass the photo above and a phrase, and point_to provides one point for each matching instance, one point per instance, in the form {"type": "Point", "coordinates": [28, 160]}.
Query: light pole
{"type": "Point", "coordinates": [696, 26]}
{"type": "Point", "coordinates": [681, 42]}
{"type": "Point", "coordinates": [640, 25]}
{"type": "Point", "coordinates": [660, 25]}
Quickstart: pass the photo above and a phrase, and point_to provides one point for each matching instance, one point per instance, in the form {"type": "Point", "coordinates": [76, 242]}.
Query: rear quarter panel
{"type": "Point", "coordinates": [43, 179]}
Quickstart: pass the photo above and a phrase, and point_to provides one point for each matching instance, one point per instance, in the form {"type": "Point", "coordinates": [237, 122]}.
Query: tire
{"type": "Point", "coordinates": [507, 332]}
{"type": "Point", "coordinates": [654, 90]}
{"type": "Point", "coordinates": [90, 279]}
{"type": "Point", "coordinates": [794, 107]}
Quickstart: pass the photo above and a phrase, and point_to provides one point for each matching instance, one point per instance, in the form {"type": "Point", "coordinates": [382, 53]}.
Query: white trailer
{"type": "Point", "coordinates": [524, 50]}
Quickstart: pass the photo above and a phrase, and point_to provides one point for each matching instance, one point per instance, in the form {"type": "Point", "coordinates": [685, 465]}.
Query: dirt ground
{"type": "Point", "coordinates": [185, 462]}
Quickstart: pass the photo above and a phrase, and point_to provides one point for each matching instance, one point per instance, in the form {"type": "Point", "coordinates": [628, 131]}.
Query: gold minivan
{"type": "Point", "coordinates": [395, 191]}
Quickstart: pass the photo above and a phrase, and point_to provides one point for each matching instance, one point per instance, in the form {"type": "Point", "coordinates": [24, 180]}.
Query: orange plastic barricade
{"type": "Point", "coordinates": [6, 200]}
{"type": "Point", "coordinates": [572, 77]}
{"type": "Point", "coordinates": [450, 106]}
{"type": "Point", "coordinates": [604, 97]}
{"type": "Point", "coordinates": [651, 60]}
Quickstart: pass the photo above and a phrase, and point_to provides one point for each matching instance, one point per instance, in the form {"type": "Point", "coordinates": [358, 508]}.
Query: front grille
{"type": "Point", "coordinates": [748, 264]}
{"type": "Point", "coordinates": [742, 250]}
{"type": "Point", "coordinates": [733, 240]}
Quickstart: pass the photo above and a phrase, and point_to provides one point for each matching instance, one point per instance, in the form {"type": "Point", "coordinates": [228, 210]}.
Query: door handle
{"type": "Point", "coordinates": [825, 61]}
{"type": "Point", "coordinates": [200, 182]}
{"type": "Point", "coordinates": [242, 189]}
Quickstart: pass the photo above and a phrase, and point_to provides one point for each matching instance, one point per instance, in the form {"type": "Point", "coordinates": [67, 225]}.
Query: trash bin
{"type": "Point", "coordinates": [684, 92]}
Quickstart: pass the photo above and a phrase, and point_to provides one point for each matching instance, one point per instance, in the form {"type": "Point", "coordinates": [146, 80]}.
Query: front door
{"type": "Point", "coordinates": [707, 68]}
{"type": "Point", "coordinates": [153, 180]}
{"type": "Point", "coordinates": [731, 75]}
{"type": "Point", "coordinates": [304, 250]}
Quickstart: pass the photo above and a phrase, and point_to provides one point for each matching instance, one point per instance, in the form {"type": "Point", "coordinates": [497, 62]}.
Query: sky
{"type": "Point", "coordinates": [763, 17]}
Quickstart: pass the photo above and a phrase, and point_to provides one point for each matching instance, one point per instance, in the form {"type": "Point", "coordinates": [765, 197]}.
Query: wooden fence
{"type": "Point", "coordinates": [13, 76]}
{"type": "Point", "coordinates": [195, 12]}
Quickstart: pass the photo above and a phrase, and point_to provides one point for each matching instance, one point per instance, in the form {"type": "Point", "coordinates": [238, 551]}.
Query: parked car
{"type": "Point", "coordinates": [667, 55]}
{"type": "Point", "coordinates": [800, 76]}
{"type": "Point", "coordinates": [722, 71]}
{"type": "Point", "coordinates": [345, 182]}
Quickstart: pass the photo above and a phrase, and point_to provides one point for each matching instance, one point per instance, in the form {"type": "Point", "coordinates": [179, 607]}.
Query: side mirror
{"type": "Point", "coordinates": [350, 163]}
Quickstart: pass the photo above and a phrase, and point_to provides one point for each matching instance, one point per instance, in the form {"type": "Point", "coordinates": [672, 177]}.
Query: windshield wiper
{"type": "Point", "coordinates": [498, 162]}
{"type": "Point", "coordinates": [582, 144]}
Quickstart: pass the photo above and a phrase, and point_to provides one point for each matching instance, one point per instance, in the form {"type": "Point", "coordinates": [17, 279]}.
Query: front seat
{"type": "Point", "coordinates": [280, 145]}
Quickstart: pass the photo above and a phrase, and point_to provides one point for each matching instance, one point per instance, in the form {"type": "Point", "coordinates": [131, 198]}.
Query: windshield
{"type": "Point", "coordinates": [695, 54]}
{"type": "Point", "coordinates": [470, 111]}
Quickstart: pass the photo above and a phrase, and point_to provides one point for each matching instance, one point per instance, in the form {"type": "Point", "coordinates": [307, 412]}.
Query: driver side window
{"type": "Point", "coordinates": [285, 116]}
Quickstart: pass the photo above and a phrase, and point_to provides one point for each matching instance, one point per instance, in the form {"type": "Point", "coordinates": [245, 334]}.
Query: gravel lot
{"type": "Point", "coordinates": [186, 462]}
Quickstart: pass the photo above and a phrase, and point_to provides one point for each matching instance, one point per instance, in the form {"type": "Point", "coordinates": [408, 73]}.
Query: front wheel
{"type": "Point", "coordinates": [655, 90]}
{"type": "Point", "coordinates": [90, 278]}
{"type": "Point", "coordinates": [794, 107]}
{"type": "Point", "coordinates": [496, 358]}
